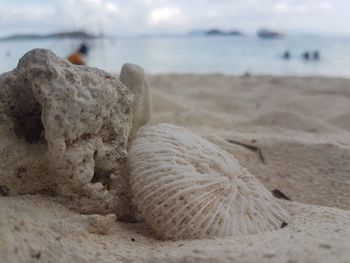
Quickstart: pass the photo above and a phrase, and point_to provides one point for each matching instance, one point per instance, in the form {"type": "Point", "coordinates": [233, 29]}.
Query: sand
{"type": "Point", "coordinates": [290, 132]}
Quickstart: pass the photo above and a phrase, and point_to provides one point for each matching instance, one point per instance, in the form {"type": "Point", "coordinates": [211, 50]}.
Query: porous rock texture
{"type": "Point", "coordinates": [64, 130]}
{"type": "Point", "coordinates": [133, 77]}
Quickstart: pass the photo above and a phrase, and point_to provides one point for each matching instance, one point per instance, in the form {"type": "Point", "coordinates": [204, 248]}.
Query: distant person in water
{"type": "Point", "coordinates": [78, 57]}
{"type": "Point", "coordinates": [316, 55]}
{"type": "Point", "coordinates": [306, 55]}
{"type": "Point", "coordinates": [286, 55]}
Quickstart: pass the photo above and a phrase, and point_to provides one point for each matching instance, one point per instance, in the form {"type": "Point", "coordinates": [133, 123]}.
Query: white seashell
{"type": "Point", "coordinates": [188, 188]}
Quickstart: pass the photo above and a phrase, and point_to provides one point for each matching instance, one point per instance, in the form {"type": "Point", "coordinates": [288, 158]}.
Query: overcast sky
{"type": "Point", "coordinates": [123, 17]}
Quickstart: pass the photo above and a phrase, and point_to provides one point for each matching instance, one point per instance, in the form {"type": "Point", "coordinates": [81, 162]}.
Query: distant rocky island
{"type": "Point", "coordinates": [217, 32]}
{"type": "Point", "coordinates": [262, 33]}
{"type": "Point", "coordinates": [72, 34]}
{"type": "Point", "coordinates": [269, 34]}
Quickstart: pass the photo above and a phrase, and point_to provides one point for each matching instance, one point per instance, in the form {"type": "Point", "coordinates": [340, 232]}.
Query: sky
{"type": "Point", "coordinates": [134, 17]}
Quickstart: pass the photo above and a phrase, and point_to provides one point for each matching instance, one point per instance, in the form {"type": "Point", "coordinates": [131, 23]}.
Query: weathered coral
{"type": "Point", "coordinates": [133, 77]}
{"type": "Point", "coordinates": [65, 128]}
{"type": "Point", "coordinates": [186, 187]}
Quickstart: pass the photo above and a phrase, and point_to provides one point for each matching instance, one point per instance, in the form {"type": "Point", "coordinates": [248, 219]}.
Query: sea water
{"type": "Point", "coordinates": [200, 54]}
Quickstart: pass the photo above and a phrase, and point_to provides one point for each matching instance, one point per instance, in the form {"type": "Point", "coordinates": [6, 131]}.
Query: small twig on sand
{"type": "Point", "coordinates": [284, 224]}
{"type": "Point", "coordinates": [278, 194]}
{"type": "Point", "coordinates": [250, 147]}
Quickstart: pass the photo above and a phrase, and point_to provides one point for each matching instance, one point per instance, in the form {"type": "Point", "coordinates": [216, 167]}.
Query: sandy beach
{"type": "Point", "coordinates": [292, 133]}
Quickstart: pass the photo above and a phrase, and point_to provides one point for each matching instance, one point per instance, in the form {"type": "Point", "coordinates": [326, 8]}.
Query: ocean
{"type": "Point", "coordinates": [200, 54]}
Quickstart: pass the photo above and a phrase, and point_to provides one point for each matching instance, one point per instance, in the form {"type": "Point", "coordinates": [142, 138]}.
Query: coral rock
{"type": "Point", "coordinates": [186, 187]}
{"type": "Point", "coordinates": [133, 77]}
{"type": "Point", "coordinates": [65, 128]}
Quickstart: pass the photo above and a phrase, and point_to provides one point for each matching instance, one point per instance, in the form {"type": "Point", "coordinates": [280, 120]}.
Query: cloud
{"type": "Point", "coordinates": [113, 8]}
{"type": "Point", "coordinates": [120, 17]}
{"type": "Point", "coordinates": [164, 16]}
{"type": "Point", "coordinates": [281, 7]}
{"type": "Point", "coordinates": [96, 16]}
{"type": "Point", "coordinates": [11, 14]}
{"type": "Point", "coordinates": [284, 7]}
{"type": "Point", "coordinates": [325, 5]}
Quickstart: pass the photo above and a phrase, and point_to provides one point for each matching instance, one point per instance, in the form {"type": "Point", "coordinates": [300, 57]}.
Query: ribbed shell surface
{"type": "Point", "coordinates": [185, 187]}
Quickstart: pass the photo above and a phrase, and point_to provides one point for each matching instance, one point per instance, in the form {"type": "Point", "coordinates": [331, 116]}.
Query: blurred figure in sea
{"type": "Point", "coordinates": [306, 55]}
{"type": "Point", "coordinates": [316, 55]}
{"type": "Point", "coordinates": [78, 57]}
{"type": "Point", "coordinates": [286, 55]}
